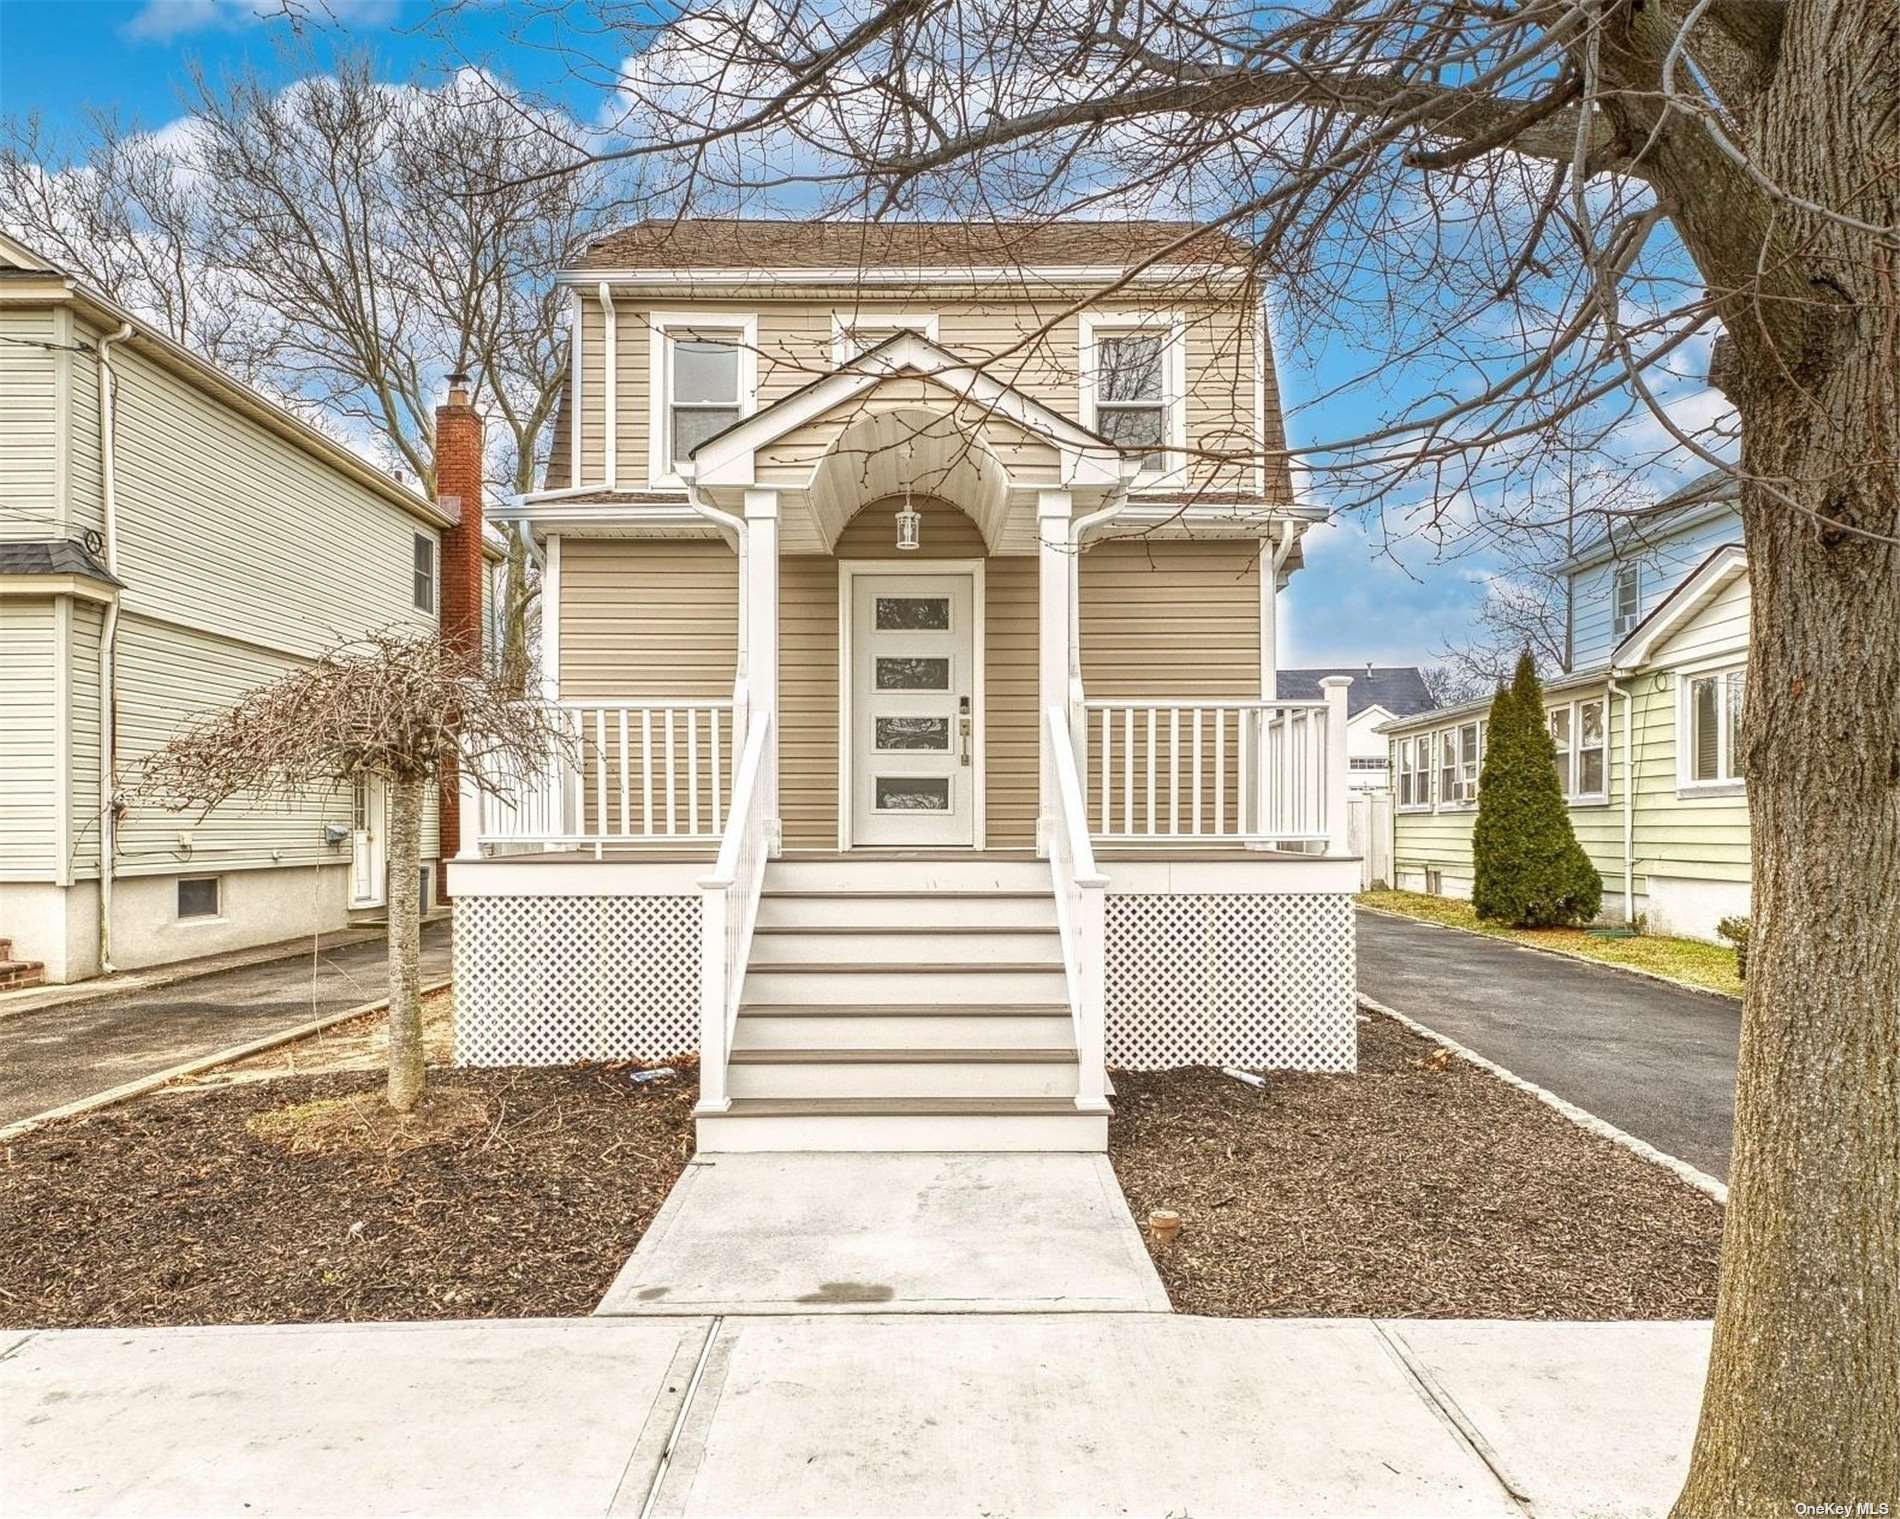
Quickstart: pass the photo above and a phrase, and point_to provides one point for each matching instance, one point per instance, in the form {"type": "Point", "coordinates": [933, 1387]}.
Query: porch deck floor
{"type": "Point", "coordinates": [647, 854]}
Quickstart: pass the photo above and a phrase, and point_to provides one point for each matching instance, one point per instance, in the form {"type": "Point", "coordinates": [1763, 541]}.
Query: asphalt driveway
{"type": "Point", "coordinates": [1651, 1058]}
{"type": "Point", "coordinates": [59, 1054]}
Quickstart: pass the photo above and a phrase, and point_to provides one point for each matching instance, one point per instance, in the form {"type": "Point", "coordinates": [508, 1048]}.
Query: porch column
{"type": "Point", "coordinates": [1054, 631]}
{"type": "Point", "coordinates": [1334, 688]}
{"type": "Point", "coordinates": [760, 595]}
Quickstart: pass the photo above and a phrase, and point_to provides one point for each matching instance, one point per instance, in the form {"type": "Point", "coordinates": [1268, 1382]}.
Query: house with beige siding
{"type": "Point", "coordinates": [169, 539]}
{"type": "Point", "coordinates": [1646, 727]}
{"type": "Point", "coordinates": [910, 595]}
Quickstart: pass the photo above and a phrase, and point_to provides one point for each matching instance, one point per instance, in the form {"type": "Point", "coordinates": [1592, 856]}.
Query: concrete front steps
{"type": "Point", "coordinates": [904, 1005]}
{"type": "Point", "coordinates": [17, 975]}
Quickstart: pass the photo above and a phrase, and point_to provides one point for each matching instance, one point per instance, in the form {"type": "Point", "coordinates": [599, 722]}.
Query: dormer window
{"type": "Point", "coordinates": [1628, 599]}
{"type": "Point", "coordinates": [704, 376]}
{"type": "Point", "coordinates": [1133, 384]}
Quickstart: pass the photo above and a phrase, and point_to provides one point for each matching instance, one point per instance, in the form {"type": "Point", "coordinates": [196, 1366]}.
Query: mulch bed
{"type": "Point", "coordinates": [1420, 1188]}
{"type": "Point", "coordinates": [525, 1200]}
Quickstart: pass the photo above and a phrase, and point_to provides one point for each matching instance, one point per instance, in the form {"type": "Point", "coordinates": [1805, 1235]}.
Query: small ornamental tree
{"type": "Point", "coordinates": [1528, 869]}
{"type": "Point", "coordinates": [396, 705]}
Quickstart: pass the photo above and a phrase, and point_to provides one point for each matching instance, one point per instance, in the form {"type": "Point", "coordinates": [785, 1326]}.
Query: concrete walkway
{"type": "Point", "coordinates": [894, 1415]}
{"type": "Point", "coordinates": [1655, 1060]}
{"type": "Point", "coordinates": [59, 1054]}
{"type": "Point", "coordinates": [885, 1233]}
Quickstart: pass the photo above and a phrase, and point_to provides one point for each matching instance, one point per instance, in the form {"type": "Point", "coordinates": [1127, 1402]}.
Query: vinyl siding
{"type": "Point", "coordinates": [82, 655]}
{"type": "Point", "coordinates": [1168, 618]}
{"type": "Point", "coordinates": [168, 675]}
{"type": "Point", "coordinates": [1663, 564]}
{"type": "Point", "coordinates": [647, 618]}
{"type": "Point", "coordinates": [229, 529]}
{"type": "Point", "coordinates": [31, 377]}
{"type": "Point", "coordinates": [1002, 330]}
{"type": "Point", "coordinates": [28, 799]}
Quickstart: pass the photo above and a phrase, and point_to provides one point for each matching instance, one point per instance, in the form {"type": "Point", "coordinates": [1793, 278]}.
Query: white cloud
{"type": "Point", "coordinates": [162, 20]}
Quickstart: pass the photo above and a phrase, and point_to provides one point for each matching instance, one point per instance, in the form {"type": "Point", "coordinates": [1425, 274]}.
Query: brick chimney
{"type": "Point", "coordinates": [458, 491]}
{"type": "Point", "coordinates": [464, 576]}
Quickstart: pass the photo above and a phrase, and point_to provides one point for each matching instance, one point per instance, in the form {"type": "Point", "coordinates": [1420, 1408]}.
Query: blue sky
{"type": "Point", "coordinates": [61, 58]}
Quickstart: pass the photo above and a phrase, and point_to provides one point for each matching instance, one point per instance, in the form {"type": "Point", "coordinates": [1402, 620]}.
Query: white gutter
{"type": "Point", "coordinates": [1629, 804]}
{"type": "Point", "coordinates": [108, 641]}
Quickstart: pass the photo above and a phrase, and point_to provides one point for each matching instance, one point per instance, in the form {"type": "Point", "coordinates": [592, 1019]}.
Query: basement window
{"type": "Point", "coordinates": [199, 896]}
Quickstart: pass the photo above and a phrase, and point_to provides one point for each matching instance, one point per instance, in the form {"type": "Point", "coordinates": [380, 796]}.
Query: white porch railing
{"type": "Point", "coordinates": [728, 910]}
{"type": "Point", "coordinates": [1181, 770]}
{"type": "Point", "coordinates": [1079, 892]}
{"type": "Point", "coordinates": [637, 772]}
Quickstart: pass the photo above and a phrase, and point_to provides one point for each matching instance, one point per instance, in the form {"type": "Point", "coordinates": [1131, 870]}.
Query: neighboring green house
{"type": "Point", "coordinates": [1662, 610]}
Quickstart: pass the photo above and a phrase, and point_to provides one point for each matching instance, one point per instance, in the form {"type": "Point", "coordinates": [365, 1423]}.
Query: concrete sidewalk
{"type": "Point", "coordinates": [891, 1233]}
{"type": "Point", "coordinates": [1656, 1060]}
{"type": "Point", "coordinates": [891, 1415]}
{"type": "Point", "coordinates": [58, 1054]}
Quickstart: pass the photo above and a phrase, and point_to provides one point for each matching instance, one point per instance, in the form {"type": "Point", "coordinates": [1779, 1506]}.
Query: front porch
{"type": "Point", "coordinates": [904, 795]}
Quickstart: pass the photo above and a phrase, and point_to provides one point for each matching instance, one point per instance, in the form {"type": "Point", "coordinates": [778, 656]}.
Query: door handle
{"type": "Point", "coordinates": [963, 728]}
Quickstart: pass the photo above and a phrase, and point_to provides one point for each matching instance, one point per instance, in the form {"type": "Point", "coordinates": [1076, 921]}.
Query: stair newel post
{"type": "Point", "coordinates": [1333, 783]}
{"type": "Point", "coordinates": [713, 996]}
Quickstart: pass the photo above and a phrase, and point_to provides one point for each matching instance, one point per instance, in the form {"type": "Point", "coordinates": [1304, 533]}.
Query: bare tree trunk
{"type": "Point", "coordinates": [406, 1074]}
{"type": "Point", "coordinates": [1803, 1395]}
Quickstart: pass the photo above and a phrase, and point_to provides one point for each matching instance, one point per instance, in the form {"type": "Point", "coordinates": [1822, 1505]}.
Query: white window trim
{"type": "Point", "coordinates": [1686, 783]}
{"type": "Point", "coordinates": [1589, 798]}
{"type": "Point", "coordinates": [660, 470]}
{"type": "Point", "coordinates": [1567, 767]}
{"type": "Point", "coordinates": [1173, 331]}
{"type": "Point", "coordinates": [1618, 628]}
{"type": "Point", "coordinates": [434, 608]}
{"type": "Point", "coordinates": [1414, 740]}
{"type": "Point", "coordinates": [842, 322]}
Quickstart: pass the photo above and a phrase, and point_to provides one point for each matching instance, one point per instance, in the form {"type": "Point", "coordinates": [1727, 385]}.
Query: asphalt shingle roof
{"type": "Point", "coordinates": [1400, 689]}
{"type": "Point", "coordinates": [711, 243]}
{"type": "Point", "coordinates": [51, 556]}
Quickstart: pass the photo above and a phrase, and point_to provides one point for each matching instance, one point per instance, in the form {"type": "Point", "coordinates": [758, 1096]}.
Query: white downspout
{"type": "Point", "coordinates": [733, 526]}
{"type": "Point", "coordinates": [108, 641]}
{"type": "Point", "coordinates": [1629, 805]}
{"type": "Point", "coordinates": [609, 352]}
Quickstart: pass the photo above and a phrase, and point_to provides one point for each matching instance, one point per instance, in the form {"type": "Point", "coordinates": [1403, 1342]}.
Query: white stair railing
{"type": "Point", "coordinates": [1080, 890]}
{"type": "Point", "coordinates": [729, 909]}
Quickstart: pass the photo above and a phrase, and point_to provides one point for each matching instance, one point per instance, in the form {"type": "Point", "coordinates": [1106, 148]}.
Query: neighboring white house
{"type": "Point", "coordinates": [1379, 693]}
{"type": "Point", "coordinates": [168, 540]}
{"type": "Point", "coordinates": [931, 757]}
{"type": "Point", "coordinates": [1645, 725]}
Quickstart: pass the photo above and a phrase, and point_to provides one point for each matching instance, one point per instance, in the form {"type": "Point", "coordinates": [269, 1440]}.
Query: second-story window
{"type": "Point", "coordinates": [703, 376]}
{"type": "Point", "coordinates": [1130, 399]}
{"type": "Point", "coordinates": [1628, 598]}
{"type": "Point", "coordinates": [705, 396]}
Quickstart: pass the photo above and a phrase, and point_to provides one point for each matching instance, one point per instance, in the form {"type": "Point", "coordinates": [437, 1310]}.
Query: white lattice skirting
{"type": "Point", "coordinates": [1261, 982]}
{"type": "Point", "coordinates": [552, 980]}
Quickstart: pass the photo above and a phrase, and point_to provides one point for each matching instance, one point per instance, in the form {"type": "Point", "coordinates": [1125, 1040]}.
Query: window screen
{"type": "Point", "coordinates": [198, 897]}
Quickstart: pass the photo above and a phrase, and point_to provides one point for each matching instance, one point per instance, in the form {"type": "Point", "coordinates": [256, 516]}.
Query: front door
{"type": "Point", "coordinates": [367, 857]}
{"type": "Point", "coordinates": [915, 761]}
